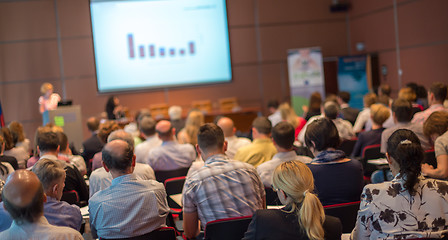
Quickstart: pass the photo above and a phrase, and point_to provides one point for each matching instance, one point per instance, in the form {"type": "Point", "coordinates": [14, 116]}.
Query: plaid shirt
{"type": "Point", "coordinates": [223, 188]}
{"type": "Point", "coordinates": [421, 117]}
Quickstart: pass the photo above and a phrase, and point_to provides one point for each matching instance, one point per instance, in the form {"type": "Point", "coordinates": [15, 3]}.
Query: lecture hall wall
{"type": "Point", "coordinates": [261, 31]}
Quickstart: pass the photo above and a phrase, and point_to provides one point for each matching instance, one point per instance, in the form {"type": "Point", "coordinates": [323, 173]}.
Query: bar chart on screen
{"type": "Point", "coordinates": [152, 50]}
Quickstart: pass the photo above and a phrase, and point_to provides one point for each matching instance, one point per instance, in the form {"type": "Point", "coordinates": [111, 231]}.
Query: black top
{"type": "Point", "coordinates": [278, 224]}
{"type": "Point", "coordinates": [91, 146]}
{"type": "Point", "coordinates": [350, 114]}
{"type": "Point", "coordinates": [10, 160]}
{"type": "Point", "coordinates": [338, 182]}
{"type": "Point", "coordinates": [365, 139]}
{"type": "Point", "coordinates": [75, 181]}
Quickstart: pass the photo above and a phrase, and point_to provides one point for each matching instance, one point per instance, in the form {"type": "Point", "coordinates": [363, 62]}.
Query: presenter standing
{"type": "Point", "coordinates": [48, 101]}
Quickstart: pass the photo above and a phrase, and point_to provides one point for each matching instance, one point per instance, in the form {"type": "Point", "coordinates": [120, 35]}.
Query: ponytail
{"type": "Point", "coordinates": [404, 147]}
{"type": "Point", "coordinates": [311, 216]}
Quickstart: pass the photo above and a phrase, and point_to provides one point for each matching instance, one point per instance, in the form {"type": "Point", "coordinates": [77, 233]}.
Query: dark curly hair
{"type": "Point", "coordinates": [405, 148]}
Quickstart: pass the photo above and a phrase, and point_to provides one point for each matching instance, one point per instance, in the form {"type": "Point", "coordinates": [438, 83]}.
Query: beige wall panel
{"type": "Point", "coordinates": [29, 60]}
{"type": "Point", "coordinates": [244, 87]}
{"type": "Point", "coordinates": [78, 57]}
{"type": "Point", "coordinates": [361, 7]}
{"type": "Point", "coordinates": [295, 11]}
{"type": "Point", "coordinates": [389, 59]}
{"type": "Point", "coordinates": [20, 100]}
{"type": "Point", "coordinates": [425, 65]}
{"type": "Point", "coordinates": [330, 36]}
{"type": "Point", "coordinates": [242, 45]}
{"type": "Point", "coordinates": [74, 18]}
{"type": "Point", "coordinates": [275, 82]}
{"type": "Point", "coordinates": [240, 12]}
{"type": "Point", "coordinates": [27, 20]}
{"type": "Point", "coordinates": [375, 30]}
{"type": "Point", "coordinates": [422, 22]}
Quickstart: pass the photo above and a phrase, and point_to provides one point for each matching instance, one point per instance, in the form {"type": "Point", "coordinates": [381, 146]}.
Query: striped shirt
{"type": "Point", "coordinates": [223, 188]}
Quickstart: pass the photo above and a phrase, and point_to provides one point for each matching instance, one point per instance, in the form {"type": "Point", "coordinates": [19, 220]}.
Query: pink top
{"type": "Point", "coordinates": [51, 103]}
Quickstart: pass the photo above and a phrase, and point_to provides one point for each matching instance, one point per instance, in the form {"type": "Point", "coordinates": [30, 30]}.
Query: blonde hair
{"type": "Point", "coordinates": [407, 94]}
{"type": "Point", "coordinates": [379, 113]}
{"type": "Point", "coordinates": [296, 180]}
{"type": "Point", "coordinates": [194, 121]}
{"type": "Point", "coordinates": [288, 114]}
{"type": "Point", "coordinates": [45, 87]}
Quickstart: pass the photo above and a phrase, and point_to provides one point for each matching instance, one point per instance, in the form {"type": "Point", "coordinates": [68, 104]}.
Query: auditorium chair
{"type": "Point", "coordinates": [272, 197]}
{"type": "Point", "coordinates": [227, 228]}
{"type": "Point", "coordinates": [204, 106]}
{"type": "Point", "coordinates": [163, 233]}
{"type": "Point", "coordinates": [161, 176]}
{"type": "Point", "coordinates": [348, 145]}
{"type": "Point", "coordinates": [370, 152]}
{"type": "Point", "coordinates": [430, 158]}
{"type": "Point", "coordinates": [227, 104]}
{"type": "Point", "coordinates": [346, 212]}
{"type": "Point", "coordinates": [174, 186]}
{"type": "Point", "coordinates": [159, 111]}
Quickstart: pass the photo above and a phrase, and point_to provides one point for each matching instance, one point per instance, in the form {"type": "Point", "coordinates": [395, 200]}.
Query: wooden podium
{"type": "Point", "coordinates": [69, 118]}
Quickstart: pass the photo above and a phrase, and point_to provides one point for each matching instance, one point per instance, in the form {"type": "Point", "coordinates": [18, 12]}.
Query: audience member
{"type": "Point", "coordinates": [337, 178]}
{"type": "Point", "coordinates": [402, 113]}
{"type": "Point", "coordinates": [347, 113]}
{"type": "Point", "coordinates": [143, 113]}
{"type": "Point", "coordinates": [101, 179]}
{"type": "Point", "coordinates": [233, 142]}
{"type": "Point", "coordinates": [171, 155]}
{"type": "Point", "coordinates": [261, 149]}
{"type": "Point", "coordinates": [17, 152]}
{"type": "Point", "coordinates": [48, 147]}
{"type": "Point", "coordinates": [436, 128]}
{"type": "Point", "coordinates": [384, 90]}
{"type": "Point", "coordinates": [436, 96]}
{"type": "Point", "coordinates": [409, 206]}
{"type": "Point", "coordinates": [409, 94]}
{"type": "Point", "coordinates": [275, 115]}
{"type": "Point", "coordinates": [129, 207]}
{"type": "Point", "coordinates": [64, 151]}
{"type": "Point", "coordinates": [5, 170]}
{"type": "Point", "coordinates": [18, 136]}
{"type": "Point", "coordinates": [23, 197]}
{"type": "Point", "coordinates": [104, 130]}
{"type": "Point", "coordinates": [175, 113]}
{"type": "Point", "coordinates": [93, 144]}
{"type": "Point", "coordinates": [303, 216]}
{"type": "Point", "coordinates": [364, 115]}
{"type": "Point", "coordinates": [113, 108]}
{"type": "Point", "coordinates": [379, 114]}
{"type": "Point", "coordinates": [345, 129]}
{"type": "Point", "coordinates": [148, 129]}
{"type": "Point", "coordinates": [7, 159]}
{"type": "Point", "coordinates": [189, 133]}
{"type": "Point", "coordinates": [283, 139]}
{"type": "Point", "coordinates": [313, 108]}
{"type": "Point", "coordinates": [222, 188]}
{"type": "Point", "coordinates": [289, 115]}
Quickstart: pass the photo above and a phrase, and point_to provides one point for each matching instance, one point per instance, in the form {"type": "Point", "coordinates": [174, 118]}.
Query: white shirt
{"type": "Point", "coordinates": [345, 129]}
{"type": "Point", "coordinates": [142, 150]}
{"type": "Point", "coordinates": [361, 120]}
{"type": "Point", "coordinates": [171, 155]}
{"type": "Point", "coordinates": [266, 169]}
{"type": "Point", "coordinates": [234, 143]}
{"type": "Point", "coordinates": [51, 103]}
{"type": "Point", "coordinates": [301, 136]}
{"type": "Point", "coordinates": [100, 179]}
{"type": "Point", "coordinates": [275, 118]}
{"type": "Point", "coordinates": [40, 230]}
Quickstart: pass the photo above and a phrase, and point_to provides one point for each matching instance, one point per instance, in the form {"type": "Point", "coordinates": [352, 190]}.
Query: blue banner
{"type": "Point", "coordinates": [2, 119]}
{"type": "Point", "coordinates": [352, 78]}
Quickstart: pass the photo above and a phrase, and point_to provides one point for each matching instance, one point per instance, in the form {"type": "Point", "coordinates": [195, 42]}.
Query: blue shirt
{"type": "Point", "coordinates": [128, 208]}
{"type": "Point", "coordinates": [57, 213]}
{"type": "Point", "coordinates": [171, 155]}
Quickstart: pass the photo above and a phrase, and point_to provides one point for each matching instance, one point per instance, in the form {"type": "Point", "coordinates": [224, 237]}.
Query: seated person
{"type": "Point", "coordinates": [364, 115]}
{"type": "Point", "coordinates": [379, 114]}
{"type": "Point", "coordinates": [101, 179]}
{"type": "Point", "coordinates": [347, 113]}
{"type": "Point", "coordinates": [93, 144]}
{"type": "Point", "coordinates": [409, 206]}
{"type": "Point", "coordinates": [337, 178]}
{"type": "Point", "coordinates": [147, 128]}
{"type": "Point", "coordinates": [222, 188]}
{"type": "Point", "coordinates": [7, 159]}
{"type": "Point", "coordinates": [103, 133]}
{"type": "Point", "coordinates": [23, 197]}
{"type": "Point", "coordinates": [65, 152]}
{"type": "Point", "coordinates": [283, 138]}
{"type": "Point", "coordinates": [303, 216]}
{"type": "Point", "coordinates": [129, 207]}
{"type": "Point", "coordinates": [171, 155]}
{"type": "Point", "coordinates": [233, 142]}
{"type": "Point", "coordinates": [261, 149]}
{"type": "Point", "coordinates": [436, 127]}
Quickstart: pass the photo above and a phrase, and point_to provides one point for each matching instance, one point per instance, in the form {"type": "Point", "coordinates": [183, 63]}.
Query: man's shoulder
{"type": "Point", "coordinates": [215, 169]}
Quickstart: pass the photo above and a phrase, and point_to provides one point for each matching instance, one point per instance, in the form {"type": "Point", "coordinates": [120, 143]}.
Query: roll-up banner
{"type": "Point", "coordinates": [306, 75]}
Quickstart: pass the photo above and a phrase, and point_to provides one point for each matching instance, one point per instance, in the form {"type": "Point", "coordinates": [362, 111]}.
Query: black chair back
{"type": "Point", "coordinates": [164, 233]}
{"type": "Point", "coordinates": [371, 152]}
{"type": "Point", "coordinates": [347, 146]}
{"type": "Point", "coordinates": [346, 212]}
{"type": "Point", "coordinates": [161, 176]}
{"type": "Point", "coordinates": [272, 197]}
{"type": "Point", "coordinates": [174, 186]}
{"type": "Point", "coordinates": [227, 229]}
{"type": "Point", "coordinates": [70, 197]}
{"type": "Point", "coordinates": [430, 158]}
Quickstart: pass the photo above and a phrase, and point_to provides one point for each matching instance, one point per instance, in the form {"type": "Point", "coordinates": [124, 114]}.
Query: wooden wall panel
{"type": "Point", "coordinates": [240, 12]}
{"type": "Point", "coordinates": [27, 20]}
{"type": "Point", "coordinates": [78, 57]}
{"type": "Point", "coordinates": [74, 18]}
{"type": "Point", "coordinates": [243, 48]}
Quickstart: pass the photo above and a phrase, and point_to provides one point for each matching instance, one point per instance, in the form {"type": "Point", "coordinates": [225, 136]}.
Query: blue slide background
{"type": "Point", "coordinates": [168, 24]}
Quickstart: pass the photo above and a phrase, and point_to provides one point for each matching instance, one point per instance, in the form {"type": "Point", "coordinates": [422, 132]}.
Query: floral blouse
{"type": "Point", "coordinates": [388, 211]}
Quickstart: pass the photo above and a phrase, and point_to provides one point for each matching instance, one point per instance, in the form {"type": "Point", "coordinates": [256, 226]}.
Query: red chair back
{"type": "Point", "coordinates": [163, 233]}
{"type": "Point", "coordinates": [70, 197]}
{"type": "Point", "coordinates": [161, 176]}
{"type": "Point", "coordinates": [227, 229]}
{"type": "Point", "coordinates": [174, 186]}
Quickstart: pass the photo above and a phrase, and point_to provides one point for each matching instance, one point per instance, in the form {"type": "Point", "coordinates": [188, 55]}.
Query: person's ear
{"type": "Point", "coordinates": [388, 158]}
{"type": "Point", "coordinates": [59, 148]}
{"type": "Point", "coordinates": [104, 166]}
{"type": "Point", "coordinates": [198, 150]}
{"type": "Point", "coordinates": [45, 198]}
{"type": "Point", "coordinates": [55, 189]}
{"type": "Point", "coordinates": [133, 160]}
{"type": "Point", "coordinates": [224, 146]}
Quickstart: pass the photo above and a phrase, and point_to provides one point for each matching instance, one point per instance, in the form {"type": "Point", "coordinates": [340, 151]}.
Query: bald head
{"type": "Point", "coordinates": [23, 196]}
{"type": "Point", "coordinates": [118, 156]}
{"type": "Point", "coordinates": [165, 130]}
{"type": "Point", "coordinates": [226, 124]}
